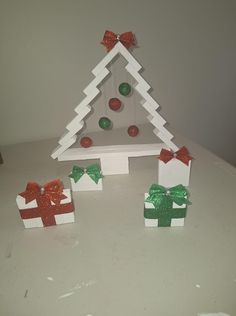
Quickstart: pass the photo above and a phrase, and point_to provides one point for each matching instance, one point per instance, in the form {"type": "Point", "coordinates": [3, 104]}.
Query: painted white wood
{"type": "Point", "coordinates": [20, 201]}
{"type": "Point", "coordinates": [173, 172]}
{"type": "Point", "coordinates": [165, 139]}
{"type": "Point", "coordinates": [167, 135]}
{"type": "Point", "coordinates": [65, 218]}
{"type": "Point", "coordinates": [114, 165]}
{"type": "Point", "coordinates": [117, 49]}
{"type": "Point", "coordinates": [33, 222]}
{"type": "Point", "coordinates": [175, 222]}
{"type": "Point", "coordinates": [74, 125]}
{"type": "Point", "coordinates": [150, 107]}
{"type": "Point", "coordinates": [59, 218]}
{"type": "Point", "coordinates": [61, 148]}
{"type": "Point", "coordinates": [129, 57]}
{"type": "Point", "coordinates": [87, 100]}
{"type": "Point", "coordinates": [142, 87]}
{"type": "Point", "coordinates": [97, 80]}
{"type": "Point", "coordinates": [67, 136]}
{"type": "Point", "coordinates": [156, 121]}
{"type": "Point", "coordinates": [114, 158]}
{"type": "Point", "coordinates": [149, 222]}
{"type": "Point", "coordinates": [105, 61]}
{"type": "Point", "coordinates": [96, 152]}
{"type": "Point", "coordinates": [146, 96]}
{"type": "Point", "coordinates": [37, 221]}
{"type": "Point", "coordinates": [147, 204]}
{"type": "Point", "coordinates": [85, 183]}
{"type": "Point", "coordinates": [82, 109]}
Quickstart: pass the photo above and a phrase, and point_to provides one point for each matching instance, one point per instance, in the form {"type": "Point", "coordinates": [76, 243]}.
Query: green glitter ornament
{"type": "Point", "coordinates": [124, 88]}
{"type": "Point", "coordinates": [104, 123]}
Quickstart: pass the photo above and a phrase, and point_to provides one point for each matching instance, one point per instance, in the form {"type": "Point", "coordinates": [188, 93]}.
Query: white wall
{"type": "Point", "coordinates": [187, 48]}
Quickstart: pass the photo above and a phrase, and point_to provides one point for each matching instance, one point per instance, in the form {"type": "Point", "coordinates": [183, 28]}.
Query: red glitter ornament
{"type": "Point", "coordinates": [133, 130]}
{"type": "Point", "coordinates": [114, 104]}
{"type": "Point", "coordinates": [86, 142]}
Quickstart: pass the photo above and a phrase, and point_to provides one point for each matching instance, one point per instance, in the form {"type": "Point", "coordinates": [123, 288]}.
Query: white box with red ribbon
{"type": "Point", "coordinates": [45, 206]}
{"type": "Point", "coordinates": [174, 167]}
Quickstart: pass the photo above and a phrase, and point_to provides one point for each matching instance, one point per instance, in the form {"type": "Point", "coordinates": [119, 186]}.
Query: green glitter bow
{"type": "Point", "coordinates": [93, 171]}
{"type": "Point", "coordinates": [161, 197]}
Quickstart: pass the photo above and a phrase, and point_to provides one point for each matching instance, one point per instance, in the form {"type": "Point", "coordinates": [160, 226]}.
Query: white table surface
{"type": "Point", "coordinates": [108, 263]}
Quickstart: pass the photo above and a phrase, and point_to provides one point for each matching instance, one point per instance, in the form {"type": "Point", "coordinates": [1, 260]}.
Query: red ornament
{"type": "Point", "coordinates": [133, 130]}
{"type": "Point", "coordinates": [86, 142]}
{"type": "Point", "coordinates": [114, 104]}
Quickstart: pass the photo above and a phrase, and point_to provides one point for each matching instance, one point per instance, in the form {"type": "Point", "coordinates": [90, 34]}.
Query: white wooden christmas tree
{"type": "Point", "coordinates": [114, 158]}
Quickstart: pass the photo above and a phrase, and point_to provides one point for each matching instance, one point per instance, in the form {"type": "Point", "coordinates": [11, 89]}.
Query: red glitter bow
{"type": "Point", "coordinates": [50, 192]}
{"type": "Point", "coordinates": [182, 154]}
{"type": "Point", "coordinates": [110, 39]}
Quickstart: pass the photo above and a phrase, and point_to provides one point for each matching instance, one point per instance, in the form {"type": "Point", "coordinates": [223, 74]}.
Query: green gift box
{"type": "Point", "coordinates": [165, 207]}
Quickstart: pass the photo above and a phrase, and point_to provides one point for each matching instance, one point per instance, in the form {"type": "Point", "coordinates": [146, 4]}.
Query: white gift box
{"type": "Point", "coordinates": [67, 217]}
{"type": "Point", "coordinates": [149, 222]}
{"type": "Point", "coordinates": [85, 183]}
{"type": "Point", "coordinates": [173, 172]}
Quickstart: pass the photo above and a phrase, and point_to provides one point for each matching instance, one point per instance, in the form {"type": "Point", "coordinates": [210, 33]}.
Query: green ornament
{"type": "Point", "coordinates": [124, 88]}
{"type": "Point", "coordinates": [104, 123]}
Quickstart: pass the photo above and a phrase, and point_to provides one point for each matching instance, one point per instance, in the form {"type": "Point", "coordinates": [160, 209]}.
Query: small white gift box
{"type": "Point", "coordinates": [86, 179]}
{"type": "Point", "coordinates": [174, 171]}
{"type": "Point", "coordinates": [38, 213]}
{"type": "Point", "coordinates": [165, 207]}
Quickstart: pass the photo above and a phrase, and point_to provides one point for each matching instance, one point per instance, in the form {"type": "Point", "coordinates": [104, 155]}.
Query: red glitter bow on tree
{"type": "Point", "coordinates": [50, 192]}
{"type": "Point", "coordinates": [110, 39]}
{"type": "Point", "coordinates": [182, 154]}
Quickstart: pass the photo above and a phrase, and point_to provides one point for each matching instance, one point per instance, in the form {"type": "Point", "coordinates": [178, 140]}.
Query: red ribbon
{"type": "Point", "coordinates": [110, 39]}
{"type": "Point", "coordinates": [44, 196]}
{"type": "Point", "coordinates": [182, 154]}
{"type": "Point", "coordinates": [47, 214]}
